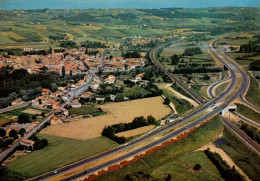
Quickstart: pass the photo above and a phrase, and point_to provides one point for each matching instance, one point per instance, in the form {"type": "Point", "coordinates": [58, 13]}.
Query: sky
{"type": "Point", "coordinates": [85, 4]}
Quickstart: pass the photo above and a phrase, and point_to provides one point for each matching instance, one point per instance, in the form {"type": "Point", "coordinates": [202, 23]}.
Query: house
{"type": "Point", "coordinates": [95, 86]}
{"type": "Point", "coordinates": [65, 97]}
{"type": "Point", "coordinates": [86, 95]}
{"type": "Point", "coordinates": [35, 103]}
{"type": "Point", "coordinates": [27, 143]}
{"type": "Point", "coordinates": [139, 76]}
{"type": "Point", "coordinates": [81, 82]}
{"type": "Point", "coordinates": [17, 102]}
{"type": "Point", "coordinates": [61, 112]}
{"type": "Point", "coordinates": [110, 79]}
{"type": "Point", "coordinates": [55, 95]}
{"type": "Point", "coordinates": [46, 91]}
{"type": "Point", "coordinates": [43, 99]}
{"type": "Point", "coordinates": [56, 120]}
{"type": "Point", "coordinates": [100, 98]}
{"type": "Point", "coordinates": [112, 97]}
{"type": "Point", "coordinates": [75, 103]}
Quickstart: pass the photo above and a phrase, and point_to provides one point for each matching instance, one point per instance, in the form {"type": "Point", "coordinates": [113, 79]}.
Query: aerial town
{"type": "Point", "coordinates": [129, 91]}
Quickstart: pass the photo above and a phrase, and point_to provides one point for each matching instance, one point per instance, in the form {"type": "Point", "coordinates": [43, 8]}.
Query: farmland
{"type": "Point", "coordinates": [62, 150]}
{"type": "Point", "coordinates": [18, 27]}
{"type": "Point", "coordinates": [12, 116]}
{"type": "Point", "coordinates": [123, 112]}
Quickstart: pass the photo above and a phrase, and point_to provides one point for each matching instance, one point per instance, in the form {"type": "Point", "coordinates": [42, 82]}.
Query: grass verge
{"type": "Point", "coordinates": [253, 93]}
{"type": "Point", "coordinates": [249, 113]}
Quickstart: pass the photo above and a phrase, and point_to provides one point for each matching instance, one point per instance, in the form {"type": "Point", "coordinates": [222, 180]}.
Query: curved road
{"type": "Point", "coordinates": [212, 87]}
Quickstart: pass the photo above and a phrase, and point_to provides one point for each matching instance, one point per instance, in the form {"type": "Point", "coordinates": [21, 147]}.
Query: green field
{"type": "Point", "coordinates": [242, 155]}
{"type": "Point", "coordinates": [176, 159]}
{"type": "Point", "coordinates": [60, 151]}
{"type": "Point", "coordinates": [256, 73]}
{"type": "Point", "coordinates": [84, 110]}
{"type": "Point", "coordinates": [249, 113]}
{"type": "Point", "coordinates": [253, 93]}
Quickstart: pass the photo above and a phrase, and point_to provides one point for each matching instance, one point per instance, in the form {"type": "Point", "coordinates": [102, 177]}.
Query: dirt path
{"type": "Point", "coordinates": [179, 95]}
{"type": "Point", "coordinates": [225, 157]}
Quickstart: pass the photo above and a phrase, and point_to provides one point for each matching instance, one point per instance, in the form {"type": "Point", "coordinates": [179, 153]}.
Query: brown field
{"type": "Point", "coordinates": [135, 132]}
{"type": "Point", "coordinates": [32, 111]}
{"type": "Point", "coordinates": [91, 28]}
{"type": "Point", "coordinates": [13, 35]}
{"type": "Point", "coordinates": [123, 112]}
{"type": "Point", "coordinates": [69, 35]}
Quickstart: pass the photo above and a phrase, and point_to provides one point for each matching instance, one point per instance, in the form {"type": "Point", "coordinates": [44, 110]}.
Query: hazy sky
{"type": "Point", "coordinates": [83, 4]}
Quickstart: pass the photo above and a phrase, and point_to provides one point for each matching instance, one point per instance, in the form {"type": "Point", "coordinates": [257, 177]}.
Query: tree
{"type": "Point", "coordinates": [13, 134]}
{"type": "Point", "coordinates": [2, 132]}
{"type": "Point", "coordinates": [25, 98]}
{"type": "Point", "coordinates": [22, 131]}
{"type": "Point", "coordinates": [175, 59]}
{"type": "Point", "coordinates": [151, 119]}
{"type": "Point", "coordinates": [23, 118]}
{"type": "Point", "coordinates": [19, 73]}
{"type": "Point", "coordinates": [13, 95]}
{"type": "Point", "coordinates": [166, 101]}
{"type": "Point", "coordinates": [197, 167]}
{"type": "Point", "coordinates": [63, 71]}
{"type": "Point", "coordinates": [168, 178]}
{"type": "Point", "coordinates": [54, 87]}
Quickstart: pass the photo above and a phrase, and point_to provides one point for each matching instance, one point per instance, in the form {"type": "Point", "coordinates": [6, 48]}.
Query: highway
{"type": "Point", "coordinates": [252, 144]}
{"type": "Point", "coordinates": [73, 93]}
{"type": "Point", "coordinates": [241, 117]}
{"type": "Point", "coordinates": [243, 87]}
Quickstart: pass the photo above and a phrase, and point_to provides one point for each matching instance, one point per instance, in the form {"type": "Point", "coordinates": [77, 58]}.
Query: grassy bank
{"type": "Point", "coordinates": [253, 93]}
{"type": "Point", "coordinates": [221, 88]}
{"type": "Point", "coordinates": [181, 105]}
{"type": "Point", "coordinates": [249, 113]}
{"type": "Point", "coordinates": [176, 159]}
{"type": "Point", "coordinates": [241, 154]}
{"type": "Point", "coordinates": [60, 151]}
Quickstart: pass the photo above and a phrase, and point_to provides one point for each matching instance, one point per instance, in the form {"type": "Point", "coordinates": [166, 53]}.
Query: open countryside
{"type": "Point", "coordinates": [125, 90]}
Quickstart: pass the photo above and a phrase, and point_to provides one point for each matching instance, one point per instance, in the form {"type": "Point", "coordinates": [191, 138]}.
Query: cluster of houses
{"type": "Point", "coordinates": [73, 61]}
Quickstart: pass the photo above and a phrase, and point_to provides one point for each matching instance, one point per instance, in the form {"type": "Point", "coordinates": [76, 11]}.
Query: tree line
{"type": "Point", "coordinates": [138, 122]}
{"type": "Point", "coordinates": [227, 173]}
